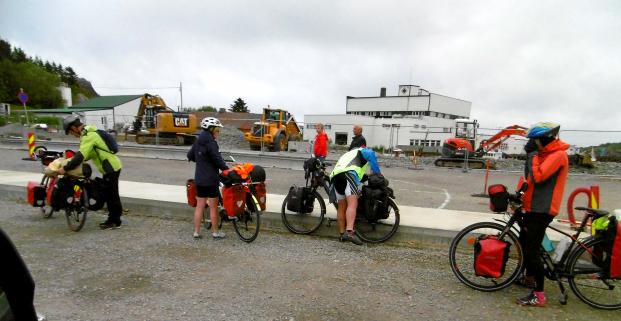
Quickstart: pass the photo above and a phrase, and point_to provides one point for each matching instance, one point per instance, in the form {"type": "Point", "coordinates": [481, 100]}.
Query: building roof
{"type": "Point", "coordinates": [104, 102]}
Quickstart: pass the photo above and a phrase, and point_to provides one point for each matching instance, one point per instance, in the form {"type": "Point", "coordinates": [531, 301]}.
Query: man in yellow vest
{"type": "Point", "coordinates": [345, 186]}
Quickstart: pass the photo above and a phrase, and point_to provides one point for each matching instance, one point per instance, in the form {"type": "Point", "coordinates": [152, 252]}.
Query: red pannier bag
{"type": "Point", "coordinates": [36, 194]}
{"type": "Point", "coordinates": [615, 256]}
{"type": "Point", "coordinates": [490, 256]}
{"type": "Point", "coordinates": [234, 199]}
{"type": "Point", "coordinates": [498, 198]}
{"type": "Point", "coordinates": [190, 189]}
{"type": "Point", "coordinates": [260, 192]}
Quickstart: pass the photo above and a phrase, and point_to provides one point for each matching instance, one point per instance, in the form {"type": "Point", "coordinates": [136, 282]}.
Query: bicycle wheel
{"type": "Point", "coordinates": [380, 230]}
{"type": "Point", "coordinates": [461, 257]}
{"type": "Point", "coordinates": [304, 223]}
{"type": "Point", "coordinates": [47, 210]}
{"type": "Point", "coordinates": [248, 223]}
{"type": "Point", "coordinates": [589, 281]}
{"type": "Point", "coordinates": [76, 211]}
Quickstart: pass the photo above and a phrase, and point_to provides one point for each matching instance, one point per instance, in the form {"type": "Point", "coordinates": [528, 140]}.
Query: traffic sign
{"type": "Point", "coordinates": [23, 97]}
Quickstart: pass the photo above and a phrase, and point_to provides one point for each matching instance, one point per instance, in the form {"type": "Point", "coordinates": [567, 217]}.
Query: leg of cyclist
{"type": "Point", "coordinates": [535, 225]}
{"type": "Point", "coordinates": [198, 216]}
{"type": "Point", "coordinates": [347, 193]}
{"type": "Point", "coordinates": [213, 215]}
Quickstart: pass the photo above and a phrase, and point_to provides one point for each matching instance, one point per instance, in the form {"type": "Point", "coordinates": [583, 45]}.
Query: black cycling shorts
{"type": "Point", "coordinates": [207, 191]}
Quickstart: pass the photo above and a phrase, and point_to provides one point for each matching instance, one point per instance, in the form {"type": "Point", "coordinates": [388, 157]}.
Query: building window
{"type": "Point", "coordinates": [423, 126]}
{"type": "Point", "coordinates": [416, 126]}
{"type": "Point", "coordinates": [447, 130]}
{"type": "Point", "coordinates": [327, 126]}
{"type": "Point", "coordinates": [340, 138]}
{"type": "Point", "coordinates": [411, 142]}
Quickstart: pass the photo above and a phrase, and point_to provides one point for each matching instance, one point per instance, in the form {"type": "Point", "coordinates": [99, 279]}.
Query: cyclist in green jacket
{"type": "Point", "coordinates": [93, 147]}
{"type": "Point", "coordinates": [345, 187]}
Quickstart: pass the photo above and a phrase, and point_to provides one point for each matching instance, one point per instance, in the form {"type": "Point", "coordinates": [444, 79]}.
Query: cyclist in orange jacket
{"type": "Point", "coordinates": [546, 173]}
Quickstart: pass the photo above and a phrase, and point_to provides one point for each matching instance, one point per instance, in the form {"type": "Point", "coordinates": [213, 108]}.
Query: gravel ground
{"type": "Point", "coordinates": [151, 269]}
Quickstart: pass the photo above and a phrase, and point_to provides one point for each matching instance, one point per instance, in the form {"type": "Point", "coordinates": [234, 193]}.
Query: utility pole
{"type": "Point", "coordinates": [181, 92]}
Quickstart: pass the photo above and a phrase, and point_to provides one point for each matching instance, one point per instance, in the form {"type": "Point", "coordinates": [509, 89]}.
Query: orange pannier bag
{"type": "Point", "coordinates": [260, 192]}
{"type": "Point", "coordinates": [234, 199]}
{"type": "Point", "coordinates": [190, 189]}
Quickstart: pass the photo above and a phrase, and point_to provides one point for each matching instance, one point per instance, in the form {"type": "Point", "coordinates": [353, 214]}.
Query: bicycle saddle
{"type": "Point", "coordinates": [597, 212]}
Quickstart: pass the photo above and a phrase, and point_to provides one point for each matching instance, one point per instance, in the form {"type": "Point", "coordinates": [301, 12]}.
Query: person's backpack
{"type": "Point", "coordinates": [490, 256]}
{"type": "Point", "coordinates": [110, 142]}
{"type": "Point", "coordinates": [300, 199]}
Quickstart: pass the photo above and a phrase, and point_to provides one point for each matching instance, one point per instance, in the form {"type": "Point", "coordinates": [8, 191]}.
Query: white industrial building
{"type": "Point", "coordinates": [413, 118]}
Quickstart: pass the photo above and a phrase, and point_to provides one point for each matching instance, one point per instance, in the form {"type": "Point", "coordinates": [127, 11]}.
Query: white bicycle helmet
{"type": "Point", "coordinates": [210, 122]}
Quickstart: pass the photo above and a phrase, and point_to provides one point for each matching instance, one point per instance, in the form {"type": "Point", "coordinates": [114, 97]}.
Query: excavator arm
{"type": "Point", "coordinates": [499, 138]}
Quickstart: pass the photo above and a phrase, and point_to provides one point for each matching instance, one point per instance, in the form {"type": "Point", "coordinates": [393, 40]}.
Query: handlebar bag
{"type": "Point", "coordinates": [490, 256]}
{"type": "Point", "coordinates": [36, 194]}
{"type": "Point", "coordinates": [300, 199]}
{"type": "Point", "coordinates": [234, 199]}
{"type": "Point", "coordinates": [498, 198]}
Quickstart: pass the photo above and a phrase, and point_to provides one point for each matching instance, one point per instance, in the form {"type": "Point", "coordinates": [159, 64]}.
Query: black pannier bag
{"type": "Point", "coordinates": [300, 199]}
{"type": "Point", "coordinates": [96, 192]}
{"type": "Point", "coordinates": [498, 198]}
{"type": "Point", "coordinates": [377, 181]}
{"type": "Point", "coordinates": [62, 190]}
{"type": "Point", "coordinates": [257, 174]}
{"type": "Point", "coordinates": [373, 204]}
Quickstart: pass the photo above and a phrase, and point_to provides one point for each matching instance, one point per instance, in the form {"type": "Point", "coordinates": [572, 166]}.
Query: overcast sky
{"type": "Point", "coordinates": [518, 62]}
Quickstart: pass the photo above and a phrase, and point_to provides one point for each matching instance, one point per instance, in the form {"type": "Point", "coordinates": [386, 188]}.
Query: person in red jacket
{"type": "Point", "coordinates": [546, 173]}
{"type": "Point", "coordinates": [320, 149]}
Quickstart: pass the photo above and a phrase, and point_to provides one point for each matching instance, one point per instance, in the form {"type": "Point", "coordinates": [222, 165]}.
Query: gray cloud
{"type": "Point", "coordinates": [517, 61]}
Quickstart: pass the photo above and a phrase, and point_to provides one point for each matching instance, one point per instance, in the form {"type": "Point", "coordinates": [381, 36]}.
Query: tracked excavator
{"type": "Point", "coordinates": [456, 151]}
{"type": "Point", "coordinates": [157, 123]}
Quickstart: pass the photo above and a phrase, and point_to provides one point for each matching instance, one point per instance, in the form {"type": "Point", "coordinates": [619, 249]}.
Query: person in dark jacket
{"type": "Point", "coordinates": [206, 154]}
{"type": "Point", "coordinates": [358, 141]}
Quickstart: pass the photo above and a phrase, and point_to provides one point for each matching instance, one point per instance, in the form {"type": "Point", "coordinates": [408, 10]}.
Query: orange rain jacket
{"type": "Point", "coordinates": [546, 174]}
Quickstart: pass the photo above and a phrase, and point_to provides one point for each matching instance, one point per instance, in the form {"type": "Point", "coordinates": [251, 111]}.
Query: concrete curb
{"type": "Point", "coordinates": [269, 220]}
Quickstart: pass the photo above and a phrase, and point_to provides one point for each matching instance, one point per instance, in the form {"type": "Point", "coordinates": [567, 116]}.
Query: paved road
{"type": "Point", "coordinates": [431, 187]}
{"type": "Point", "coordinates": [152, 269]}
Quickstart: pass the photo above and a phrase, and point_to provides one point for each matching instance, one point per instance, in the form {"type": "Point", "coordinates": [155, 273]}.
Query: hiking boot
{"type": "Point", "coordinates": [533, 299]}
{"type": "Point", "coordinates": [218, 235]}
{"type": "Point", "coordinates": [109, 225]}
{"type": "Point", "coordinates": [197, 236]}
{"type": "Point", "coordinates": [351, 237]}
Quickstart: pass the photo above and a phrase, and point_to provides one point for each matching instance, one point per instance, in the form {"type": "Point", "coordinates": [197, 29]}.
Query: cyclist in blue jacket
{"type": "Point", "coordinates": [206, 154]}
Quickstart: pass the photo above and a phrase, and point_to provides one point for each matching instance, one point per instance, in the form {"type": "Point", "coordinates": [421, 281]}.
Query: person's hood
{"type": "Point", "coordinates": [554, 146]}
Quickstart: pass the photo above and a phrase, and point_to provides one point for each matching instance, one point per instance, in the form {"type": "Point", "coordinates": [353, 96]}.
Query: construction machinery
{"type": "Point", "coordinates": [156, 123]}
{"type": "Point", "coordinates": [276, 128]}
{"type": "Point", "coordinates": [460, 149]}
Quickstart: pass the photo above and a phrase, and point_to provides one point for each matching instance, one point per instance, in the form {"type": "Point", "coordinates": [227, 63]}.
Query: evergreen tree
{"type": "Point", "coordinates": [18, 55]}
{"type": "Point", "coordinates": [48, 67]}
{"type": "Point", "coordinates": [239, 106]}
{"type": "Point", "coordinates": [5, 50]}
{"type": "Point", "coordinates": [71, 77]}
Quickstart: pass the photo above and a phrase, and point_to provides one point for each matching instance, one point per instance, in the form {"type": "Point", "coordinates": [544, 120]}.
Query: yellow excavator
{"type": "Point", "coordinates": [276, 128]}
{"type": "Point", "coordinates": [156, 123]}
